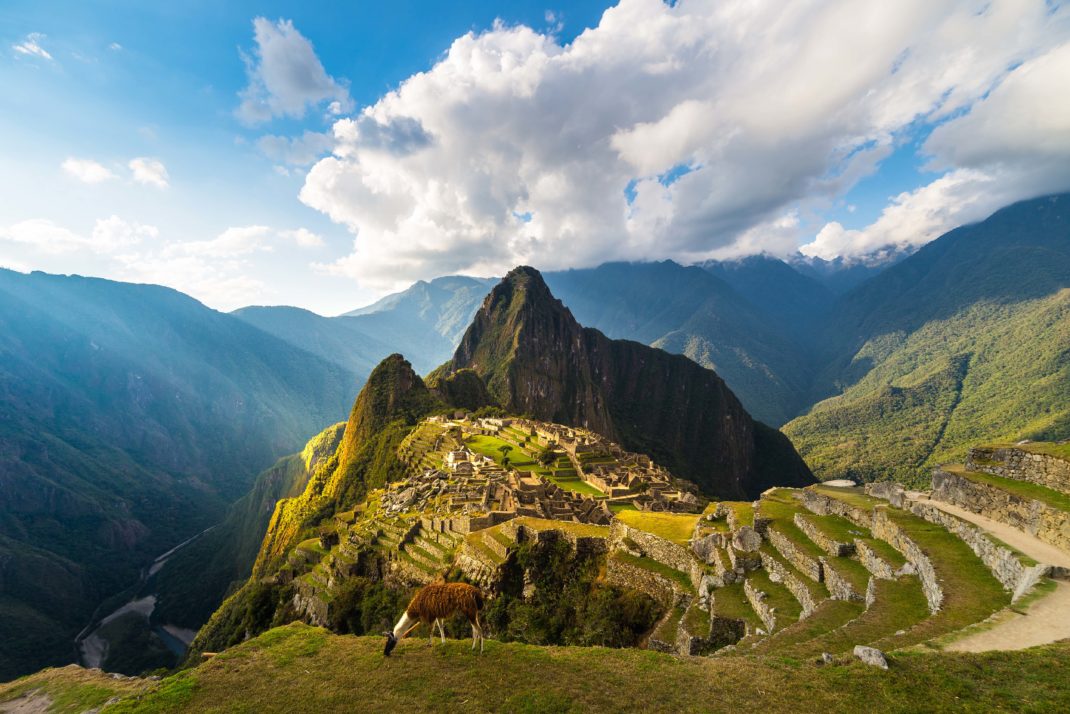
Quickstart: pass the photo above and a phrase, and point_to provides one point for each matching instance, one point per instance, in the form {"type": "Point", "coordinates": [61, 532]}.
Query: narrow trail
{"type": "Point", "coordinates": [1044, 621]}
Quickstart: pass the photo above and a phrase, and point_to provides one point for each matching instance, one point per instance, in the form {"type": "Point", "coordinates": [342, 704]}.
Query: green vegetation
{"type": "Point", "coordinates": [674, 527]}
{"type": "Point", "coordinates": [135, 416]}
{"type": "Point", "coordinates": [1023, 489]}
{"type": "Point", "coordinates": [785, 606]}
{"type": "Point", "coordinates": [731, 602]}
{"type": "Point", "coordinates": [325, 673]}
{"type": "Point", "coordinates": [570, 604]}
{"type": "Point", "coordinates": [523, 460]}
{"type": "Point", "coordinates": [654, 566]}
{"type": "Point", "coordinates": [932, 356]}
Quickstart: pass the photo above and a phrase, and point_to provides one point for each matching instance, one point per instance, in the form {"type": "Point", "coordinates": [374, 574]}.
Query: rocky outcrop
{"type": "Point", "coordinates": [871, 656]}
{"type": "Point", "coordinates": [1036, 518]}
{"type": "Point", "coordinates": [536, 359]}
{"type": "Point", "coordinates": [1022, 465]}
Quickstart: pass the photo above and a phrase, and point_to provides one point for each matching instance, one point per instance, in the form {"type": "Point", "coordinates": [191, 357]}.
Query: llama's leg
{"type": "Point", "coordinates": [479, 627]}
{"type": "Point", "coordinates": [475, 634]}
{"type": "Point", "coordinates": [442, 632]}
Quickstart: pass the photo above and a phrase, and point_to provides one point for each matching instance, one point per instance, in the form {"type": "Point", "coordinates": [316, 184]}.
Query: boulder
{"type": "Point", "coordinates": [871, 656]}
{"type": "Point", "coordinates": [747, 539]}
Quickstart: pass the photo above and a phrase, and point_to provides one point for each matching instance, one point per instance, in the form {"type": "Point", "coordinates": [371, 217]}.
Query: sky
{"type": "Point", "coordinates": [323, 154]}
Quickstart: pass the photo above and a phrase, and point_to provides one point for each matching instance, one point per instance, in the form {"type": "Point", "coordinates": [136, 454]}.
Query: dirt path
{"type": "Point", "coordinates": [31, 703]}
{"type": "Point", "coordinates": [1044, 621]}
{"type": "Point", "coordinates": [1035, 548]}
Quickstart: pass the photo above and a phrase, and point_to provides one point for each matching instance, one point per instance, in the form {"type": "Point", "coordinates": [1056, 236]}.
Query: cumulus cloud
{"type": "Point", "coordinates": [87, 170]}
{"type": "Point", "coordinates": [688, 130]}
{"type": "Point", "coordinates": [148, 171]}
{"type": "Point", "coordinates": [285, 76]}
{"type": "Point", "coordinates": [113, 233]}
{"type": "Point", "coordinates": [31, 47]}
{"type": "Point", "coordinates": [1013, 144]}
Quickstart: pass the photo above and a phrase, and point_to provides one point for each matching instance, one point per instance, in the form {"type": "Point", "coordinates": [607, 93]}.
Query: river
{"type": "Point", "coordinates": [93, 645]}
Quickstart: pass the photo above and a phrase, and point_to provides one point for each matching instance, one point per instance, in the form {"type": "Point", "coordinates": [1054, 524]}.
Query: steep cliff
{"type": "Point", "coordinates": [536, 359]}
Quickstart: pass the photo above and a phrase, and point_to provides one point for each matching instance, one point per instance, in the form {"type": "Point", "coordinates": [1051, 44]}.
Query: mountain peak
{"type": "Point", "coordinates": [536, 359]}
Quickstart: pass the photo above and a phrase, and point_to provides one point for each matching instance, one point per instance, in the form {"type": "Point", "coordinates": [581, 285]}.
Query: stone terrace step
{"type": "Point", "coordinates": [809, 593]}
{"type": "Point", "coordinates": [780, 508]}
{"type": "Point", "coordinates": [952, 576]}
{"type": "Point", "coordinates": [829, 616]}
{"type": "Point", "coordinates": [772, 602]}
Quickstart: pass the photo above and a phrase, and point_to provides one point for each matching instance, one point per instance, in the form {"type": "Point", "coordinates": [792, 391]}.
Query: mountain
{"type": "Point", "coordinates": [690, 311]}
{"type": "Point", "coordinates": [796, 302]}
{"type": "Point", "coordinates": [130, 417]}
{"type": "Point", "coordinates": [841, 275]}
{"type": "Point", "coordinates": [424, 322]}
{"type": "Point", "coordinates": [966, 340]}
{"type": "Point", "coordinates": [536, 359]}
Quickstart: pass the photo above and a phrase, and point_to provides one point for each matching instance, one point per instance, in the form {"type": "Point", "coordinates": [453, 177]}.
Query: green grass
{"type": "Point", "coordinates": [584, 530]}
{"type": "Point", "coordinates": [818, 590]}
{"type": "Point", "coordinates": [787, 608]}
{"type": "Point", "coordinates": [670, 625]}
{"type": "Point", "coordinates": [837, 528]}
{"type": "Point", "coordinates": [781, 507]}
{"type": "Point", "coordinates": [730, 602]}
{"type": "Point", "coordinates": [336, 673]}
{"type": "Point", "coordinates": [674, 527]}
{"type": "Point", "coordinates": [900, 605]}
{"type": "Point", "coordinates": [743, 511]}
{"type": "Point", "coordinates": [621, 507]}
{"type": "Point", "coordinates": [654, 566]}
{"type": "Point", "coordinates": [1024, 489]}
{"type": "Point", "coordinates": [1046, 448]}
{"type": "Point", "coordinates": [829, 615]}
{"type": "Point", "coordinates": [522, 460]}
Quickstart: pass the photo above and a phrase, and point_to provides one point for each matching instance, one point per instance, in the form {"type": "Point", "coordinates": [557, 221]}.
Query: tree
{"type": "Point", "coordinates": [505, 449]}
{"type": "Point", "coordinates": [547, 456]}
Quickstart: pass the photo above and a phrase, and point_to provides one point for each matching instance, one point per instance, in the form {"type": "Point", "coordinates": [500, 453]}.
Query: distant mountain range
{"type": "Point", "coordinates": [132, 417]}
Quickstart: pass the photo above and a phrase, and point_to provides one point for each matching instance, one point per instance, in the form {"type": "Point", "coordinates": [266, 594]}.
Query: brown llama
{"type": "Point", "coordinates": [433, 603]}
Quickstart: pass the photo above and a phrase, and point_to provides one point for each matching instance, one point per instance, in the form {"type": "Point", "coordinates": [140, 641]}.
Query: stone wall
{"type": "Point", "coordinates": [779, 574]}
{"type": "Point", "coordinates": [1034, 517]}
{"type": "Point", "coordinates": [839, 587]}
{"type": "Point", "coordinates": [824, 542]}
{"type": "Point", "coordinates": [824, 505]}
{"type": "Point", "coordinates": [1015, 575]}
{"type": "Point", "coordinates": [653, 547]}
{"type": "Point", "coordinates": [875, 564]}
{"type": "Point", "coordinates": [889, 491]}
{"type": "Point", "coordinates": [1022, 465]}
{"type": "Point", "coordinates": [665, 591]}
{"type": "Point", "coordinates": [810, 567]}
{"type": "Point", "coordinates": [887, 530]}
{"type": "Point", "coordinates": [758, 603]}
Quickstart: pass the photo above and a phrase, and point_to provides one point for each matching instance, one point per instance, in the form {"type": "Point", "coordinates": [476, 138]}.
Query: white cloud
{"type": "Point", "coordinates": [113, 233]}
{"type": "Point", "coordinates": [87, 170]}
{"type": "Point", "coordinates": [108, 236]}
{"type": "Point", "coordinates": [31, 47]}
{"type": "Point", "coordinates": [1013, 144]}
{"type": "Point", "coordinates": [149, 171]}
{"type": "Point", "coordinates": [303, 237]}
{"type": "Point", "coordinates": [285, 76]}
{"type": "Point", "coordinates": [236, 241]}
{"type": "Point", "coordinates": [300, 151]}
{"type": "Point", "coordinates": [115, 47]}
{"type": "Point", "coordinates": [723, 118]}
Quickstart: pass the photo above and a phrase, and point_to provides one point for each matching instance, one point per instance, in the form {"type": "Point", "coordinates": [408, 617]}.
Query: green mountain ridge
{"type": "Point", "coordinates": [130, 417]}
{"type": "Point", "coordinates": [964, 341]}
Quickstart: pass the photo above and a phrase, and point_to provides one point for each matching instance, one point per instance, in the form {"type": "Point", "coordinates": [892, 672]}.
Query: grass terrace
{"type": "Point", "coordinates": [522, 460]}
{"type": "Point", "coordinates": [1024, 489]}
{"type": "Point", "coordinates": [786, 608]}
{"type": "Point", "coordinates": [743, 511]}
{"type": "Point", "coordinates": [583, 530]}
{"type": "Point", "coordinates": [654, 566]}
{"type": "Point", "coordinates": [320, 672]}
{"type": "Point", "coordinates": [674, 527]}
{"type": "Point", "coordinates": [1045, 448]}
{"type": "Point", "coordinates": [829, 615]}
{"type": "Point", "coordinates": [731, 602]}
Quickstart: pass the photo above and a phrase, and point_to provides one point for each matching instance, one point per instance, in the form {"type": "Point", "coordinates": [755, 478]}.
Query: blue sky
{"type": "Point", "coordinates": [127, 151]}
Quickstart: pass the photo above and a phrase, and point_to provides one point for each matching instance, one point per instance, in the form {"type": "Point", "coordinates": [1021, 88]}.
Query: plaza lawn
{"type": "Point", "coordinates": [521, 460]}
{"type": "Point", "coordinates": [675, 527]}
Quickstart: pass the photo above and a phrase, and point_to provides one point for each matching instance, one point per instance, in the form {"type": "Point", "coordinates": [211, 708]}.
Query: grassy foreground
{"type": "Point", "coordinates": [298, 668]}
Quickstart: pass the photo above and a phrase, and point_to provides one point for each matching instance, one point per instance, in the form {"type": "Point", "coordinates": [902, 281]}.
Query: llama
{"type": "Point", "coordinates": [434, 602]}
